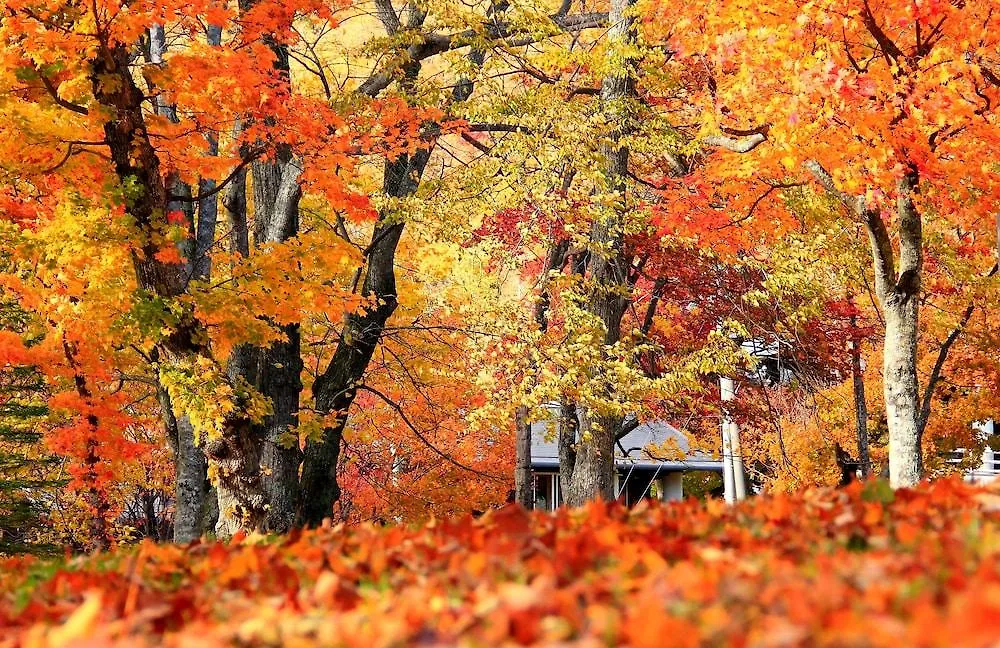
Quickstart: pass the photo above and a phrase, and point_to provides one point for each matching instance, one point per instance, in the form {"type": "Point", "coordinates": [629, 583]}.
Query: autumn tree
{"type": "Point", "coordinates": [888, 108]}
{"type": "Point", "coordinates": [219, 331]}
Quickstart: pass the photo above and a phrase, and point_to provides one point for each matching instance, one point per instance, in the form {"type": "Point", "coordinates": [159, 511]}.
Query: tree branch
{"type": "Point", "coordinates": [628, 425]}
{"type": "Point", "coordinates": [925, 404]}
{"type": "Point", "coordinates": [388, 16]}
{"type": "Point", "coordinates": [434, 44]}
{"type": "Point", "coordinates": [736, 144]}
{"type": "Point", "coordinates": [245, 162]}
{"type": "Point", "coordinates": [889, 48]}
{"type": "Point", "coordinates": [399, 410]}
{"type": "Point", "coordinates": [54, 93]}
{"type": "Point", "coordinates": [878, 235]}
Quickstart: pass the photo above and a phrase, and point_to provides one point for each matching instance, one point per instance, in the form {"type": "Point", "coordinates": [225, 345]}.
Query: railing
{"type": "Point", "coordinates": [988, 470]}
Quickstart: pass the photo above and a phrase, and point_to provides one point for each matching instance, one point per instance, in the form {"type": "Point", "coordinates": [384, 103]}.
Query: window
{"type": "Point", "coordinates": [991, 460]}
{"type": "Point", "coordinates": [546, 489]}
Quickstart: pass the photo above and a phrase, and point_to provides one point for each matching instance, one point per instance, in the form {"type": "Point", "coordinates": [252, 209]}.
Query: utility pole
{"type": "Point", "coordinates": [733, 477]}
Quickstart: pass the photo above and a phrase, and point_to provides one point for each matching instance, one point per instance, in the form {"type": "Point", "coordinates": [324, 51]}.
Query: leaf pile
{"type": "Point", "coordinates": [861, 566]}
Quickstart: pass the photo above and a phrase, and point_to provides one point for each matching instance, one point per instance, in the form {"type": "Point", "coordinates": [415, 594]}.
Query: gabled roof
{"type": "Point", "coordinates": [654, 445]}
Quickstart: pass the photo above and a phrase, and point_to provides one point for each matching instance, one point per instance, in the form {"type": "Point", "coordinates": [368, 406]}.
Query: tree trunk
{"type": "Point", "coordinates": [594, 469]}
{"type": "Point", "coordinates": [235, 203]}
{"type": "Point", "coordinates": [190, 487]}
{"type": "Point", "coordinates": [902, 404]}
{"type": "Point", "coordinates": [237, 455]}
{"type": "Point", "coordinates": [268, 448]}
{"type": "Point", "coordinates": [860, 402]}
{"type": "Point", "coordinates": [336, 388]}
{"type": "Point", "coordinates": [265, 497]}
{"type": "Point", "coordinates": [593, 474]}
{"type": "Point", "coordinates": [208, 208]}
{"type": "Point", "coordinates": [899, 295]}
{"type": "Point", "coordinates": [523, 486]}
{"type": "Point", "coordinates": [569, 424]}
{"type": "Point", "coordinates": [280, 456]}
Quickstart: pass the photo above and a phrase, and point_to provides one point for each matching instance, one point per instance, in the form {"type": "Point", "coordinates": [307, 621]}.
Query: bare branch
{"type": "Point", "coordinates": [399, 410]}
{"type": "Point", "coordinates": [736, 144]}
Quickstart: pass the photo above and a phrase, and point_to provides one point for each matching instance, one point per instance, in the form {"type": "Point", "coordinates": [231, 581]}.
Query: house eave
{"type": "Point", "coordinates": [547, 463]}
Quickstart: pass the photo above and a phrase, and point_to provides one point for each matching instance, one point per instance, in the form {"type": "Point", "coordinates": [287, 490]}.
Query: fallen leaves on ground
{"type": "Point", "coordinates": [855, 567]}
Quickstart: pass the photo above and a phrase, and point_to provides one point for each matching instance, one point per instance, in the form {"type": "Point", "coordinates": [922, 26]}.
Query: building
{"type": "Point", "coordinates": [650, 462]}
{"type": "Point", "coordinates": [989, 469]}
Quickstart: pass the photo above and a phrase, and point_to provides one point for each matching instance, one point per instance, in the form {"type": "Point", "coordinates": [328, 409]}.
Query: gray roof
{"type": "Point", "coordinates": [642, 449]}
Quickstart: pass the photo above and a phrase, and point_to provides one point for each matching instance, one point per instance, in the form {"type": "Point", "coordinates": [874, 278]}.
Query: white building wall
{"type": "Point", "coordinates": [989, 467]}
{"type": "Point", "coordinates": [988, 470]}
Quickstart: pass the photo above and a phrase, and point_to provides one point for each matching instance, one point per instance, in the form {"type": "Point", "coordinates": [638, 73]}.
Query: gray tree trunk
{"type": "Point", "coordinates": [594, 469]}
{"type": "Point", "coordinates": [902, 403]}
{"type": "Point", "coordinates": [191, 487]}
{"type": "Point", "coordinates": [900, 303]}
{"type": "Point", "coordinates": [265, 495]}
{"type": "Point", "coordinates": [190, 466]}
{"type": "Point", "coordinates": [208, 207]}
{"type": "Point", "coordinates": [234, 201]}
{"type": "Point", "coordinates": [568, 427]}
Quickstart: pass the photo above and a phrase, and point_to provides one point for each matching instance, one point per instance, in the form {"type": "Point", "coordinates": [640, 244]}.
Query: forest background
{"type": "Point", "coordinates": [265, 263]}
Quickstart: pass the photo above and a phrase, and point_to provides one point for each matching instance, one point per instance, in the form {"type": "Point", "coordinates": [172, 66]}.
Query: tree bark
{"type": "Point", "coordinates": [860, 402]}
{"type": "Point", "coordinates": [902, 403]}
{"type": "Point", "coordinates": [335, 389]}
{"type": "Point", "coordinates": [277, 369]}
{"type": "Point", "coordinates": [569, 424]}
{"type": "Point", "coordinates": [523, 486]}
{"type": "Point", "coordinates": [190, 473]}
{"type": "Point", "coordinates": [235, 203]}
{"type": "Point", "coordinates": [266, 495]}
{"type": "Point", "coordinates": [594, 469]}
{"type": "Point", "coordinates": [593, 473]}
{"type": "Point", "coordinates": [208, 208]}
{"type": "Point", "coordinates": [900, 300]}
{"type": "Point", "coordinates": [191, 485]}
